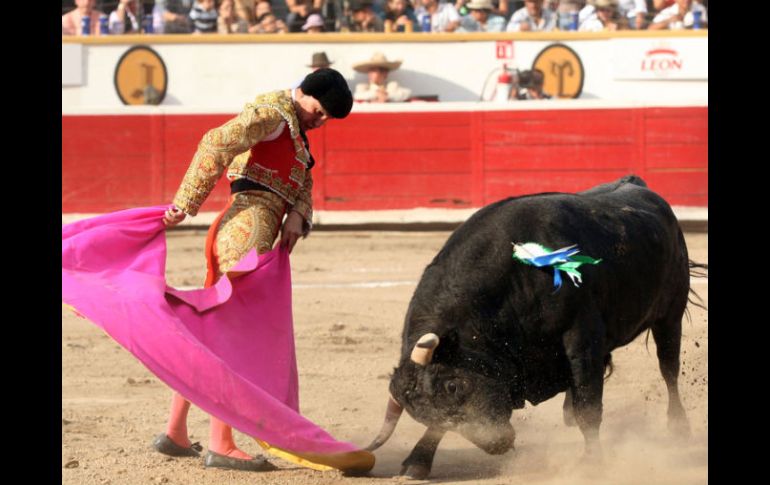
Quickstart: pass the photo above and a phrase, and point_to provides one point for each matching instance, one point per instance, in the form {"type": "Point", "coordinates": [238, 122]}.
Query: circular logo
{"type": "Point", "coordinates": [141, 76]}
{"type": "Point", "coordinates": [562, 69]}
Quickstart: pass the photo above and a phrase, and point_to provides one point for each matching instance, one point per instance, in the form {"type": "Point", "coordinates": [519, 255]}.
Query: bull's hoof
{"type": "Point", "coordinates": [415, 472]}
{"type": "Point", "coordinates": [593, 455]}
{"type": "Point", "coordinates": [592, 467]}
{"type": "Point", "coordinates": [679, 429]}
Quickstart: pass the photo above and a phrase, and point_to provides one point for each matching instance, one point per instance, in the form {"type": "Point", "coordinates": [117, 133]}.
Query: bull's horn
{"type": "Point", "coordinates": [391, 419]}
{"type": "Point", "coordinates": [422, 352]}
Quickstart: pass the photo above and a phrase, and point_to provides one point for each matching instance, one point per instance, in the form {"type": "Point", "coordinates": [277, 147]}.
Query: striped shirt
{"type": "Point", "coordinates": [203, 20]}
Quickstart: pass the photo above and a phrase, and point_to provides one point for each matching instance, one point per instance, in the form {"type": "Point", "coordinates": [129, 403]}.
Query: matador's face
{"type": "Point", "coordinates": [310, 113]}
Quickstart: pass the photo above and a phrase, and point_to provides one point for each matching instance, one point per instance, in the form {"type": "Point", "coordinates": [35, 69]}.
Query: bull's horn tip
{"type": "Point", "coordinates": [429, 340]}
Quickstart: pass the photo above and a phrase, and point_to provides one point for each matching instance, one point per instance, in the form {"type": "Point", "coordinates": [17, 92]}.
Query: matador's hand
{"type": "Point", "coordinates": [292, 230]}
{"type": "Point", "coordinates": [173, 216]}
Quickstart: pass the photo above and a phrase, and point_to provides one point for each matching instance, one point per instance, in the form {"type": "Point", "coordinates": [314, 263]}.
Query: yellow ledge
{"type": "Point", "coordinates": [341, 37]}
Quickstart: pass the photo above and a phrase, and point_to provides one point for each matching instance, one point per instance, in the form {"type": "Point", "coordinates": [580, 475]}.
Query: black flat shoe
{"type": "Point", "coordinates": [163, 444]}
{"type": "Point", "coordinates": [256, 464]}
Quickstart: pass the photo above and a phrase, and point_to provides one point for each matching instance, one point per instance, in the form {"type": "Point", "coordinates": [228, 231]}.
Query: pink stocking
{"type": "Point", "coordinates": [221, 440]}
{"type": "Point", "coordinates": [177, 421]}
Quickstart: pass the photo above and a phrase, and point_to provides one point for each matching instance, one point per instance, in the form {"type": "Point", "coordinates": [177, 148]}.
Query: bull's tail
{"type": "Point", "coordinates": [697, 270]}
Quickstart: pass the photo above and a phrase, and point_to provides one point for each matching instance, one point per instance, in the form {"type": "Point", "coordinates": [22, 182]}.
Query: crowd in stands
{"type": "Point", "coordinates": [105, 17]}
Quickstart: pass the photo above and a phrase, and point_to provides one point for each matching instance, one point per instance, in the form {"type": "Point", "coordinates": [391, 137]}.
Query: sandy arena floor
{"type": "Point", "coordinates": [351, 290]}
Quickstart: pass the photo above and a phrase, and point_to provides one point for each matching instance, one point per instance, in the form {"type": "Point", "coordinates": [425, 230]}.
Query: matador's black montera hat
{"type": "Point", "coordinates": [331, 90]}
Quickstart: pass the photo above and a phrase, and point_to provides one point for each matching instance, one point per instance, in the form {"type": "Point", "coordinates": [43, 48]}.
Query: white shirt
{"type": "Point", "coordinates": [495, 23]}
{"type": "Point", "coordinates": [116, 25]}
{"type": "Point", "coordinates": [591, 24]}
{"type": "Point", "coordinates": [669, 12]}
{"type": "Point", "coordinates": [520, 16]}
{"type": "Point", "coordinates": [368, 92]}
{"type": "Point", "coordinates": [630, 8]}
{"type": "Point", "coordinates": [446, 14]}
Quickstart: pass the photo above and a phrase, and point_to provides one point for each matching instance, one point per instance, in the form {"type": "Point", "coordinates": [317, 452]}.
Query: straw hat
{"type": "Point", "coordinates": [377, 60]}
{"type": "Point", "coordinates": [606, 4]}
{"type": "Point", "coordinates": [480, 5]}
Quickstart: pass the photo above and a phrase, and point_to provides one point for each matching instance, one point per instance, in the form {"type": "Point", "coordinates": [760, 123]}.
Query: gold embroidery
{"type": "Point", "coordinates": [219, 146]}
{"type": "Point", "coordinates": [281, 102]}
{"type": "Point", "coordinates": [252, 221]}
{"type": "Point", "coordinates": [297, 174]}
{"type": "Point", "coordinates": [229, 146]}
{"type": "Point", "coordinates": [208, 163]}
{"type": "Point", "coordinates": [304, 203]}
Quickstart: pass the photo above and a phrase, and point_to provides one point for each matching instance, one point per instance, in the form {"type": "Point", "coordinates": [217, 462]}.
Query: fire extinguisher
{"type": "Point", "coordinates": [504, 85]}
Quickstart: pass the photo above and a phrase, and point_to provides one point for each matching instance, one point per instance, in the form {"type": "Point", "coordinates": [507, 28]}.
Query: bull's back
{"type": "Point", "coordinates": [633, 231]}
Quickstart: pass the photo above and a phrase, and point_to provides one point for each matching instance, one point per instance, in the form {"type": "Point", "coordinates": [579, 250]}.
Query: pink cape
{"type": "Point", "coordinates": [229, 349]}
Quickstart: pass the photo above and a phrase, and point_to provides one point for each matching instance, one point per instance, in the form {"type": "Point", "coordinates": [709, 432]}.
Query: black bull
{"type": "Point", "coordinates": [483, 333]}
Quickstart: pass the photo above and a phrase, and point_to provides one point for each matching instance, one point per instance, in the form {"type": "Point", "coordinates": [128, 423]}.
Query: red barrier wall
{"type": "Point", "coordinates": [404, 160]}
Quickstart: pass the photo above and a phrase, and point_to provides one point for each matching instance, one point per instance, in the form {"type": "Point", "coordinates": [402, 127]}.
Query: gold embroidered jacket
{"type": "Point", "coordinates": [229, 146]}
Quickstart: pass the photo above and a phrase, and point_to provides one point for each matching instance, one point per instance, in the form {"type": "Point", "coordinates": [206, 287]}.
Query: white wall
{"type": "Point", "coordinates": [226, 75]}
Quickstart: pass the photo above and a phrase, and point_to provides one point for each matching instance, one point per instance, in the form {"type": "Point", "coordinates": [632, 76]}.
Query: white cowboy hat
{"type": "Point", "coordinates": [606, 3]}
{"type": "Point", "coordinates": [377, 60]}
{"type": "Point", "coordinates": [480, 5]}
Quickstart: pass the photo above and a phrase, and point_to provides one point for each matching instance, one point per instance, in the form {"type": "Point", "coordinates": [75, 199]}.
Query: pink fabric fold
{"type": "Point", "coordinates": [229, 349]}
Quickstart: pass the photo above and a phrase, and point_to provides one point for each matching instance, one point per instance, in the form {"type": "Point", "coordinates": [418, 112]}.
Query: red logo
{"type": "Point", "coordinates": [662, 61]}
{"type": "Point", "coordinates": [504, 49]}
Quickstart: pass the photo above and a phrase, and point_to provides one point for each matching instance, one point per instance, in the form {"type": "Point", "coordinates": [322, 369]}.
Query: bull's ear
{"type": "Point", "coordinates": [422, 353]}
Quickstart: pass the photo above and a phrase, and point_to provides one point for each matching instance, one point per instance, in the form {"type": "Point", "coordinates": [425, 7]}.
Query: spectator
{"type": "Point", "coordinates": [607, 18]}
{"type": "Point", "coordinates": [268, 23]}
{"type": "Point", "coordinates": [314, 24]}
{"type": "Point", "coordinates": [635, 13]}
{"type": "Point", "coordinates": [532, 18]}
{"type": "Point", "coordinates": [123, 20]}
{"type": "Point", "coordinates": [586, 13]}
{"type": "Point", "coordinates": [376, 90]}
{"type": "Point", "coordinates": [262, 7]}
{"type": "Point", "coordinates": [246, 10]}
{"type": "Point", "coordinates": [379, 7]}
{"type": "Point", "coordinates": [363, 17]}
{"type": "Point", "coordinates": [172, 16]}
{"type": "Point", "coordinates": [500, 7]}
{"type": "Point", "coordinates": [332, 11]}
{"type": "Point", "coordinates": [481, 18]}
{"type": "Point", "coordinates": [679, 16]}
{"type": "Point", "coordinates": [203, 16]}
{"type": "Point", "coordinates": [72, 23]}
{"type": "Point", "coordinates": [659, 5]}
{"type": "Point", "coordinates": [531, 85]}
{"type": "Point", "coordinates": [228, 21]}
{"type": "Point", "coordinates": [552, 5]}
{"type": "Point", "coordinates": [443, 16]}
{"type": "Point", "coordinates": [299, 11]}
{"type": "Point", "coordinates": [319, 61]}
{"type": "Point", "coordinates": [564, 13]}
{"type": "Point", "coordinates": [399, 17]}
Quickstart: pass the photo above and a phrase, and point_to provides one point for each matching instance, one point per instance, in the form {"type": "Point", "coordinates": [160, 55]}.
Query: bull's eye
{"type": "Point", "coordinates": [451, 387]}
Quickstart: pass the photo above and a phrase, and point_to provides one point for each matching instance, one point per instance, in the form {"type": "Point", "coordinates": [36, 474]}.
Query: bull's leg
{"type": "Point", "coordinates": [667, 334]}
{"type": "Point", "coordinates": [417, 465]}
{"type": "Point", "coordinates": [568, 409]}
{"type": "Point", "coordinates": [584, 346]}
